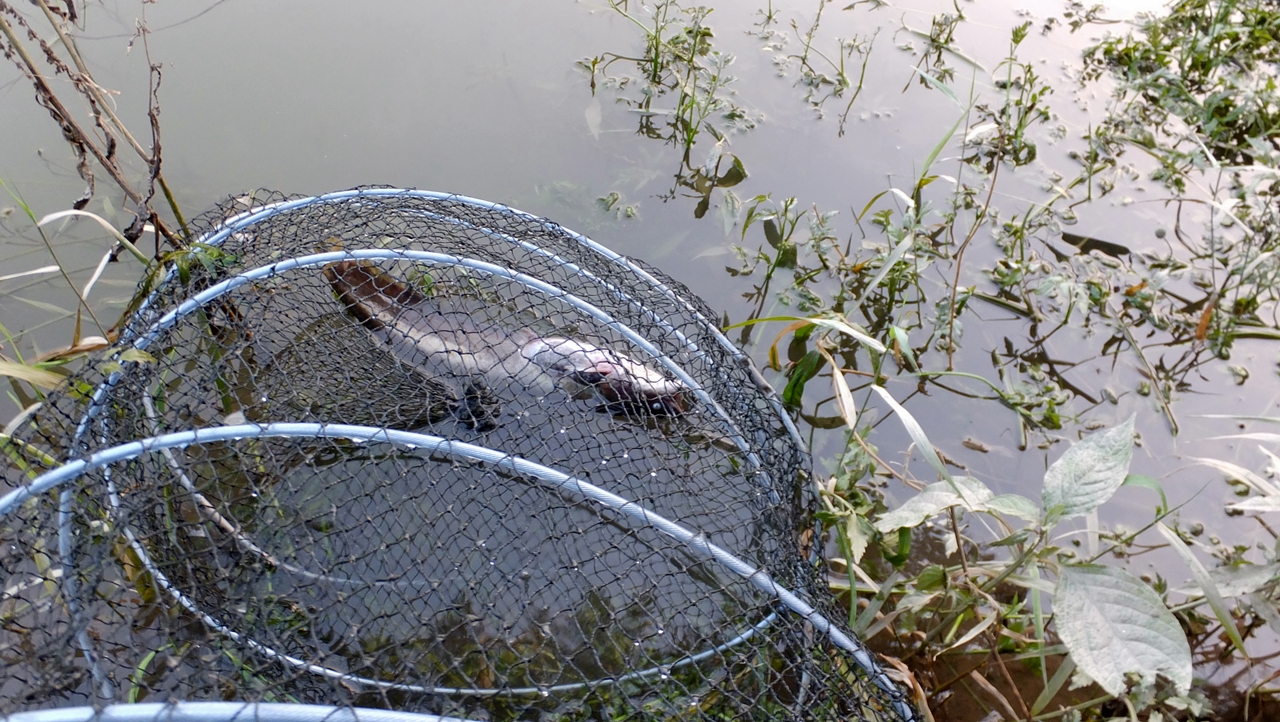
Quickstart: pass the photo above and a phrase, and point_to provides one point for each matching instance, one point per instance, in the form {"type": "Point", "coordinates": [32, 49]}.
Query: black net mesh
{"type": "Point", "coordinates": [399, 449]}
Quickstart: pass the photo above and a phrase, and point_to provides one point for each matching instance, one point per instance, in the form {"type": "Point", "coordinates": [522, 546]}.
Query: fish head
{"type": "Point", "coordinates": [621, 381]}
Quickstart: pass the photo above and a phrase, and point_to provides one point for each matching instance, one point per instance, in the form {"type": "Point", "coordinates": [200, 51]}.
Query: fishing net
{"type": "Point", "coordinates": [407, 450]}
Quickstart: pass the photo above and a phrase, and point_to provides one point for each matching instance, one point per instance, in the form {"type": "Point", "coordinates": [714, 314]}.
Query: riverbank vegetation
{"type": "Point", "coordinates": [982, 601]}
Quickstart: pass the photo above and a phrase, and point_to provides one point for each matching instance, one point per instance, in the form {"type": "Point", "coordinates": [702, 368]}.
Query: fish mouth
{"type": "Point", "coordinates": [624, 384]}
{"type": "Point", "coordinates": [627, 396]}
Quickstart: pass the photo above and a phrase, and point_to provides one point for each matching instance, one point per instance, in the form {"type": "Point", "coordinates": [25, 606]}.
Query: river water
{"type": "Point", "coordinates": [488, 100]}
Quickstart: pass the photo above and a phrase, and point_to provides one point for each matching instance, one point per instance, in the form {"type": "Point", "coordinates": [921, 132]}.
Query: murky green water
{"type": "Point", "coordinates": [487, 100]}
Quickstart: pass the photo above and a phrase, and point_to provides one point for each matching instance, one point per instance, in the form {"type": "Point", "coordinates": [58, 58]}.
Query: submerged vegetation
{"type": "Point", "coordinates": [981, 602]}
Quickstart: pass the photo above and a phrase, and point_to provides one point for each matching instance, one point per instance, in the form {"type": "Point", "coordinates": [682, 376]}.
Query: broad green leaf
{"type": "Point", "coordinates": [1013, 505]}
{"type": "Point", "coordinates": [1090, 471]}
{"type": "Point", "coordinates": [805, 369]}
{"type": "Point", "coordinates": [931, 500]}
{"type": "Point", "coordinates": [1207, 585]}
{"type": "Point", "coordinates": [1113, 624]}
{"type": "Point", "coordinates": [32, 375]}
{"type": "Point", "coordinates": [859, 532]}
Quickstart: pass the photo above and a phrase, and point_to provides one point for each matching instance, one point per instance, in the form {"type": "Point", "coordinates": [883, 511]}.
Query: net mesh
{"type": "Point", "coordinates": [399, 449]}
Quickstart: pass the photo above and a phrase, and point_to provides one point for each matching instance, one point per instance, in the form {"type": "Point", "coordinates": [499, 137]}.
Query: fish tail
{"type": "Point", "coordinates": [370, 294]}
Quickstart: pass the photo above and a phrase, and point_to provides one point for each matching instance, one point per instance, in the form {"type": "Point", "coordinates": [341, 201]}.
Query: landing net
{"type": "Point", "coordinates": [408, 450]}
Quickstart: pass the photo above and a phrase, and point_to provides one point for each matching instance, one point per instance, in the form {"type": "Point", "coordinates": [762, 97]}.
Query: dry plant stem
{"type": "Point", "coordinates": [1004, 672]}
{"type": "Point", "coordinates": [79, 296]}
{"type": "Point", "coordinates": [1151, 372]}
{"type": "Point", "coordinates": [884, 464]}
{"type": "Point", "coordinates": [90, 86]}
{"type": "Point", "coordinates": [994, 694]}
{"type": "Point", "coordinates": [63, 115]}
{"type": "Point", "coordinates": [942, 687]}
{"type": "Point", "coordinates": [955, 282]}
{"type": "Point", "coordinates": [153, 115]}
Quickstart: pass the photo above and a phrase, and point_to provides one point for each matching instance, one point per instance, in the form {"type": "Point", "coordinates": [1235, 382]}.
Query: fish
{"type": "Point", "coordinates": [451, 343]}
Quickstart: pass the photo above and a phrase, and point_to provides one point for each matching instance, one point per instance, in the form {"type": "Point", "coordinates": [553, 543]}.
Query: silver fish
{"type": "Point", "coordinates": [453, 344]}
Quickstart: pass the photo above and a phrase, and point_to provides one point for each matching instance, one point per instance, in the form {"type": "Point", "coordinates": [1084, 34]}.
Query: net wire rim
{"type": "Point", "coordinates": [694, 541]}
{"type": "Point", "coordinates": [184, 711]}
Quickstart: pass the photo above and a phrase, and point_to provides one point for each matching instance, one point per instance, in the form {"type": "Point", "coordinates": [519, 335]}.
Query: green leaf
{"type": "Point", "coordinates": [788, 255]}
{"type": "Point", "coordinates": [933, 155]}
{"type": "Point", "coordinates": [137, 354]}
{"type": "Point", "coordinates": [870, 203]}
{"type": "Point", "coordinates": [859, 532]}
{"type": "Point", "coordinates": [940, 87]}
{"type": "Point", "coordinates": [1147, 482]}
{"type": "Point", "coordinates": [1013, 505]}
{"type": "Point", "coordinates": [703, 205]}
{"type": "Point", "coordinates": [732, 177]}
{"type": "Point", "coordinates": [806, 369]}
{"type": "Point", "coordinates": [1113, 624]}
{"type": "Point", "coordinates": [931, 500]}
{"type": "Point", "coordinates": [1089, 472]}
{"type": "Point", "coordinates": [771, 233]}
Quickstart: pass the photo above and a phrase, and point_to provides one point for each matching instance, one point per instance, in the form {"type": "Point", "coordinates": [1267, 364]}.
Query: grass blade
{"type": "Point", "coordinates": [1207, 585]}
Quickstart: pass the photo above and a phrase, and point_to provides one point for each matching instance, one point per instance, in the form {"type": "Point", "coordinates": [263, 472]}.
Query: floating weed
{"type": "Point", "coordinates": [681, 94]}
{"type": "Point", "coordinates": [823, 76]}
